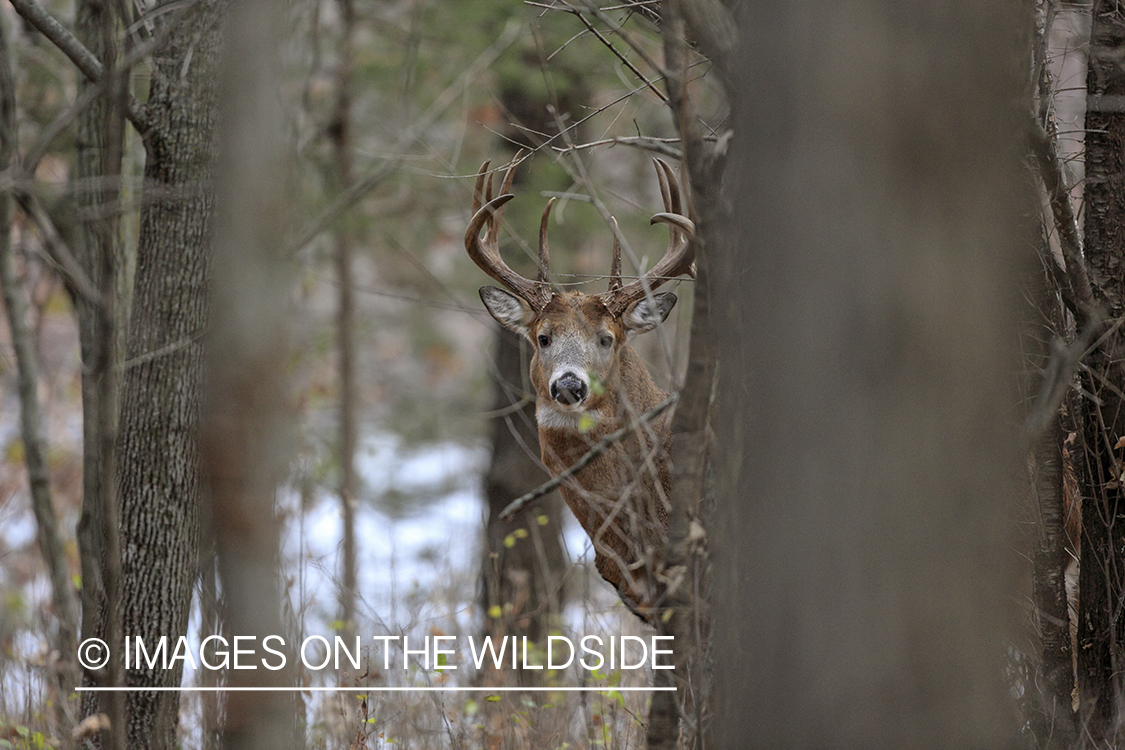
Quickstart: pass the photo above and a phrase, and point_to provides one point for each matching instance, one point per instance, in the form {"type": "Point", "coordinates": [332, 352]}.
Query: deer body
{"type": "Point", "coordinates": [590, 382]}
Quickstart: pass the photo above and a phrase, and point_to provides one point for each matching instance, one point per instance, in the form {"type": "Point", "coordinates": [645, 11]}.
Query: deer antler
{"type": "Point", "coordinates": [677, 258]}
{"type": "Point", "coordinates": [486, 254]}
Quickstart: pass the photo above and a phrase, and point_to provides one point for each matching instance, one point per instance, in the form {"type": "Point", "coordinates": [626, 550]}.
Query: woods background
{"type": "Point", "coordinates": [247, 386]}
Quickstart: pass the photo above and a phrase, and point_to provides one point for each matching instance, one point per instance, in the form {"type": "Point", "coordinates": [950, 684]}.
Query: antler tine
{"type": "Point", "coordinates": [493, 236]}
{"type": "Point", "coordinates": [486, 254]}
{"type": "Point", "coordinates": [615, 266]}
{"type": "Point", "coordinates": [677, 258]}
{"type": "Point", "coordinates": [662, 172]}
{"type": "Point", "coordinates": [479, 187]}
{"type": "Point", "coordinates": [544, 253]}
{"type": "Point", "coordinates": [669, 187]}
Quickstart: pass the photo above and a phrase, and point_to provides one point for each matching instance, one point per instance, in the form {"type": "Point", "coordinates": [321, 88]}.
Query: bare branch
{"type": "Point", "coordinates": [353, 194]}
{"type": "Point", "coordinates": [1051, 172]}
{"type": "Point", "coordinates": [655, 145]}
{"type": "Point", "coordinates": [609, 45]}
{"type": "Point", "coordinates": [57, 250]}
{"type": "Point", "coordinates": [83, 59]}
{"type": "Point", "coordinates": [618, 29]}
{"type": "Point", "coordinates": [600, 448]}
{"type": "Point", "coordinates": [85, 99]}
{"type": "Point", "coordinates": [31, 419]}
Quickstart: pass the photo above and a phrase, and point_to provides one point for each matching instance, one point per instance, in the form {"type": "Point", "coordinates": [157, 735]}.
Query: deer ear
{"type": "Point", "coordinates": [648, 312]}
{"type": "Point", "coordinates": [508, 309]}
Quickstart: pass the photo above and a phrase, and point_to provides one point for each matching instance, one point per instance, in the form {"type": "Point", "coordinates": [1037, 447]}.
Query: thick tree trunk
{"type": "Point", "coordinates": [866, 324]}
{"type": "Point", "coordinates": [157, 457]}
{"type": "Point", "coordinates": [245, 424]}
{"type": "Point", "coordinates": [1098, 463]}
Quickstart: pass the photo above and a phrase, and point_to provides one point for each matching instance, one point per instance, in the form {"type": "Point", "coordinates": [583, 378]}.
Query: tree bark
{"type": "Point", "coordinates": [157, 457]}
{"type": "Point", "coordinates": [1053, 716]}
{"type": "Point", "coordinates": [866, 323]}
{"type": "Point", "coordinates": [91, 19]}
{"type": "Point", "coordinates": [687, 563]}
{"type": "Point", "coordinates": [1099, 464]}
{"type": "Point", "coordinates": [521, 573]}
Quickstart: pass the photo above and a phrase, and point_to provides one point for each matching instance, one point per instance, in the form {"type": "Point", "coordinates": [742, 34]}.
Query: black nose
{"type": "Point", "coordinates": [568, 389]}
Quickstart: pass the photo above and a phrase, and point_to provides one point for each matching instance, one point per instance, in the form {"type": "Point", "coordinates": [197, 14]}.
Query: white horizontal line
{"type": "Point", "coordinates": [209, 689]}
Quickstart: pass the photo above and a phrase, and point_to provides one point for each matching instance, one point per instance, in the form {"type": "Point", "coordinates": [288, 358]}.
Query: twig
{"type": "Point", "coordinates": [85, 60]}
{"type": "Point", "coordinates": [604, 445]}
{"type": "Point", "coordinates": [351, 195]}
{"type": "Point", "coordinates": [621, 57]}
{"type": "Point", "coordinates": [57, 250]}
{"type": "Point", "coordinates": [656, 145]}
{"type": "Point", "coordinates": [163, 351]}
{"type": "Point", "coordinates": [1059, 373]}
{"type": "Point", "coordinates": [617, 29]}
{"type": "Point", "coordinates": [1050, 170]}
{"type": "Point", "coordinates": [31, 417]}
{"type": "Point", "coordinates": [34, 154]}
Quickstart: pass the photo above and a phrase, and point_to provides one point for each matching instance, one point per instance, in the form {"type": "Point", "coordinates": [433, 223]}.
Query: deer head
{"type": "Point", "coordinates": [578, 337]}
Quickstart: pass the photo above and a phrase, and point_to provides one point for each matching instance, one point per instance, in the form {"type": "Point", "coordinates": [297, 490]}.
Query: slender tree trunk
{"type": "Point", "coordinates": [866, 324]}
{"type": "Point", "coordinates": [62, 640]}
{"type": "Point", "coordinates": [1098, 463]}
{"type": "Point", "coordinates": [1054, 716]}
{"type": "Point", "coordinates": [687, 562]}
{"type": "Point", "coordinates": [92, 18]}
{"type": "Point", "coordinates": [341, 130]}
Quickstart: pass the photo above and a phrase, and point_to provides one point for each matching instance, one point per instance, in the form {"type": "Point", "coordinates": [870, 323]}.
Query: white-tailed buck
{"type": "Point", "coordinates": [589, 382]}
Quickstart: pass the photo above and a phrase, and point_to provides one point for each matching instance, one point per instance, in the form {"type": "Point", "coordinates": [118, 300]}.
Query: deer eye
{"type": "Point", "coordinates": [544, 341]}
{"type": "Point", "coordinates": [606, 340]}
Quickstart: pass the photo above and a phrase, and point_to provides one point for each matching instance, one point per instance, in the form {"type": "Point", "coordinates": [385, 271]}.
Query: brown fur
{"type": "Point", "coordinates": [630, 482]}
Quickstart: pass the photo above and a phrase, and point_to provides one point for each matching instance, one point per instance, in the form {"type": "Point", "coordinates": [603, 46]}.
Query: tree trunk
{"type": "Point", "coordinates": [866, 324]}
{"type": "Point", "coordinates": [64, 672]}
{"type": "Point", "coordinates": [157, 457]}
{"type": "Point", "coordinates": [90, 146]}
{"type": "Point", "coordinates": [244, 429]}
{"type": "Point", "coordinates": [341, 131]}
{"type": "Point", "coordinates": [522, 573]}
{"type": "Point", "coordinates": [1098, 464]}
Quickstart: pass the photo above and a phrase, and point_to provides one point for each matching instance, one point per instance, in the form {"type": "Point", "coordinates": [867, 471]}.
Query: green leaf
{"type": "Point", "coordinates": [586, 422]}
{"type": "Point", "coordinates": [493, 699]}
{"type": "Point", "coordinates": [495, 612]}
